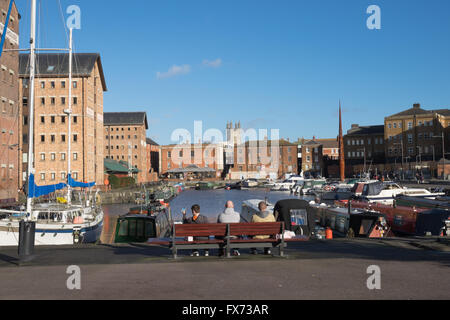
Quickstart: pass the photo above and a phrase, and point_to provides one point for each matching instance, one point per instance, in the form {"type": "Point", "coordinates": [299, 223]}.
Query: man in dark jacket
{"type": "Point", "coordinates": [196, 218]}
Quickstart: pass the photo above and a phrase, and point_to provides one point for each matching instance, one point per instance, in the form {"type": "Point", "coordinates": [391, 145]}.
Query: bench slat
{"type": "Point", "coordinates": [254, 240]}
{"type": "Point", "coordinates": [185, 230]}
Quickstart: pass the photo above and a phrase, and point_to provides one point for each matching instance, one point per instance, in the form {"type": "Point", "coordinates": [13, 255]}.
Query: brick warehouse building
{"type": "Point", "coordinates": [153, 151]}
{"type": "Point", "coordinates": [9, 107]}
{"type": "Point", "coordinates": [51, 124]}
{"type": "Point", "coordinates": [201, 155]}
{"type": "Point", "coordinates": [264, 159]}
{"type": "Point", "coordinates": [414, 139]}
{"type": "Point", "coordinates": [317, 155]}
{"type": "Point", "coordinates": [419, 132]}
{"type": "Point", "coordinates": [126, 140]}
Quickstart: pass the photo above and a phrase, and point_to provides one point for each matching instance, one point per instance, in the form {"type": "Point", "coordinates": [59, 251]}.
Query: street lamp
{"type": "Point", "coordinates": [419, 155]}
{"type": "Point", "coordinates": [401, 144]}
{"type": "Point", "coordinates": [364, 149]}
{"type": "Point", "coordinates": [434, 159]}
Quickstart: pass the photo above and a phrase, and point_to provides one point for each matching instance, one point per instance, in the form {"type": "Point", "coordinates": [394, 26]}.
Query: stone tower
{"type": "Point", "coordinates": [234, 134]}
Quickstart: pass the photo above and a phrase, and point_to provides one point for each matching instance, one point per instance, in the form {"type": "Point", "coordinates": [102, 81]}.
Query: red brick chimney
{"type": "Point", "coordinates": [416, 106]}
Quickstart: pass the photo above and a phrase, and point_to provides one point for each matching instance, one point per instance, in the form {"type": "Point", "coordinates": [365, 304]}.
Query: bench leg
{"type": "Point", "coordinates": [174, 252]}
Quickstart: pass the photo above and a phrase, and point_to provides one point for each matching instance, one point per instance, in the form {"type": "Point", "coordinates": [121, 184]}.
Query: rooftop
{"type": "Point", "coordinates": [151, 142]}
{"type": "Point", "coordinates": [365, 130]}
{"type": "Point", "coordinates": [417, 110]}
{"type": "Point", "coordinates": [125, 118]}
{"type": "Point", "coordinates": [112, 166]}
{"type": "Point", "coordinates": [57, 65]}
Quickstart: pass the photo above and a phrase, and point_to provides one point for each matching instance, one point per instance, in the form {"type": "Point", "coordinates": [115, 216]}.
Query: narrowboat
{"type": "Point", "coordinates": [204, 186]}
{"type": "Point", "coordinates": [138, 228]}
{"type": "Point", "coordinates": [352, 222]}
{"type": "Point", "coordinates": [439, 202]}
{"type": "Point", "coordinates": [401, 219]}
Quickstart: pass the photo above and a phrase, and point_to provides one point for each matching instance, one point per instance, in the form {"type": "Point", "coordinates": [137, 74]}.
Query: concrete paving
{"type": "Point", "coordinates": [313, 270]}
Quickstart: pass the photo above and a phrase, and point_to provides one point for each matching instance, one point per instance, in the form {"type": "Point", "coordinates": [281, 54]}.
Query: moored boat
{"type": "Point", "coordinates": [385, 192]}
{"type": "Point", "coordinates": [133, 228]}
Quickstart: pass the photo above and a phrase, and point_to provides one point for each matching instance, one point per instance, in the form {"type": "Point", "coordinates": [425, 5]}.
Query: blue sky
{"type": "Point", "coordinates": [270, 64]}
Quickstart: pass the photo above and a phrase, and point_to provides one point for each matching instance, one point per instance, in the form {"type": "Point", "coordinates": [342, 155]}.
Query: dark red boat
{"type": "Point", "coordinates": [402, 220]}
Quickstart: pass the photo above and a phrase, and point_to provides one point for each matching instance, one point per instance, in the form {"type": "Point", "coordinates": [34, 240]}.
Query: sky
{"type": "Point", "coordinates": [281, 64]}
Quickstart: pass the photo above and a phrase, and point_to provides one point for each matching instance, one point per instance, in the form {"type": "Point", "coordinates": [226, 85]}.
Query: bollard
{"type": "Point", "coordinates": [27, 231]}
{"type": "Point", "coordinates": [329, 234]}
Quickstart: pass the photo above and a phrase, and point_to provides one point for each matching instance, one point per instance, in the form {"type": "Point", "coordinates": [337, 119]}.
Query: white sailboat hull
{"type": "Point", "coordinates": [53, 234]}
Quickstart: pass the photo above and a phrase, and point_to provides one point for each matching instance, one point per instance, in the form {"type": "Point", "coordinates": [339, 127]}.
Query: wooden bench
{"type": "Point", "coordinates": [217, 230]}
{"type": "Point", "coordinates": [244, 230]}
{"type": "Point", "coordinates": [228, 236]}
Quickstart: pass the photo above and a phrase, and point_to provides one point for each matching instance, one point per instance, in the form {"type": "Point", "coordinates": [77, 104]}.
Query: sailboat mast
{"type": "Point", "coordinates": [32, 101]}
{"type": "Point", "coordinates": [69, 116]}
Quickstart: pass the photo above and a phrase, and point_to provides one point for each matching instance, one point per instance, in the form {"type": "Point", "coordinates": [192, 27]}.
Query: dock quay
{"type": "Point", "coordinates": [319, 269]}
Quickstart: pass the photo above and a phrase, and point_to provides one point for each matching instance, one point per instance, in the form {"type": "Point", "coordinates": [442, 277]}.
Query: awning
{"type": "Point", "coordinates": [192, 169]}
{"type": "Point", "coordinates": [117, 167]}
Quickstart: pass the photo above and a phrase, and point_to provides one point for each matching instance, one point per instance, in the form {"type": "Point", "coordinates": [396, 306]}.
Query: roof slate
{"type": "Point", "coordinates": [419, 111]}
{"type": "Point", "coordinates": [379, 129]}
{"type": "Point", "coordinates": [151, 142]}
{"type": "Point", "coordinates": [125, 118]}
{"type": "Point", "coordinates": [57, 64]}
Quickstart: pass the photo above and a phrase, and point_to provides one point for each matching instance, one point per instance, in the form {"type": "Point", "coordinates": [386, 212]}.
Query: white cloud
{"type": "Point", "coordinates": [174, 71]}
{"type": "Point", "coordinates": [213, 64]}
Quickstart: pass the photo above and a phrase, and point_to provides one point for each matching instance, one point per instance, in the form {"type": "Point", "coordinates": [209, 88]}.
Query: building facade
{"type": "Point", "coordinates": [311, 153]}
{"type": "Point", "coordinates": [9, 107]}
{"type": "Point", "coordinates": [263, 159]}
{"type": "Point", "coordinates": [51, 120]}
{"type": "Point", "coordinates": [153, 151]}
{"type": "Point", "coordinates": [126, 140]}
{"type": "Point", "coordinates": [201, 155]}
{"type": "Point", "coordinates": [416, 135]}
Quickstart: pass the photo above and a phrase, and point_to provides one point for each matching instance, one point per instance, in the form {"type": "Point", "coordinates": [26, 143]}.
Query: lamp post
{"type": "Point", "coordinates": [401, 144]}
{"type": "Point", "coordinates": [434, 158]}
{"type": "Point", "coordinates": [420, 156]}
{"type": "Point", "coordinates": [364, 149]}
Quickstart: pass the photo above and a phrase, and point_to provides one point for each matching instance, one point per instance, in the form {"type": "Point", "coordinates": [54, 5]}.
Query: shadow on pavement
{"type": "Point", "coordinates": [145, 253]}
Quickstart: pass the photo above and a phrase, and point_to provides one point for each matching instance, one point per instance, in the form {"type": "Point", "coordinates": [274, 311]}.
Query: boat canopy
{"type": "Point", "coordinates": [373, 189]}
{"type": "Point", "coordinates": [432, 221]}
{"type": "Point", "coordinates": [75, 184]}
{"type": "Point", "coordinates": [35, 191]}
{"type": "Point", "coordinates": [297, 215]}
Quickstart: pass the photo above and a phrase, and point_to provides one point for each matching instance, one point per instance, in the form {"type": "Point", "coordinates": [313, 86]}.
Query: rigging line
{"type": "Point", "coordinates": [63, 21]}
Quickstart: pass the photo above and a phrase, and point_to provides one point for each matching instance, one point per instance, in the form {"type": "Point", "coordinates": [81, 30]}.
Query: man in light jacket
{"type": "Point", "coordinates": [229, 216]}
{"type": "Point", "coordinates": [263, 215]}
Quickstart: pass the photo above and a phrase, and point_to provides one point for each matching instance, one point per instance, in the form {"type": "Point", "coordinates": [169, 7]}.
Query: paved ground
{"type": "Point", "coordinates": [314, 270]}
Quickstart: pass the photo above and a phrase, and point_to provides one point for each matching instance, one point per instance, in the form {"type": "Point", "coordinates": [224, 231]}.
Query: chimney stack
{"type": "Point", "coordinates": [416, 106]}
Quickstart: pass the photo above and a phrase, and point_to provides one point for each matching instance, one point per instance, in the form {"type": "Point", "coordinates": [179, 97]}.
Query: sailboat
{"type": "Point", "coordinates": [57, 222]}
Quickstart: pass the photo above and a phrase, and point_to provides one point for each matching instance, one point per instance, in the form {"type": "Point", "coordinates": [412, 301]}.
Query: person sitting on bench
{"type": "Point", "coordinates": [229, 216]}
{"type": "Point", "coordinates": [196, 218]}
{"type": "Point", "coordinates": [262, 216]}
